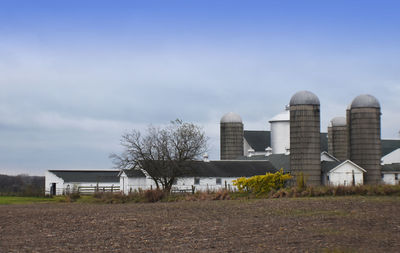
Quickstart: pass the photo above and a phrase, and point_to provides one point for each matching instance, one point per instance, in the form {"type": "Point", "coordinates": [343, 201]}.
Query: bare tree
{"type": "Point", "coordinates": [163, 153]}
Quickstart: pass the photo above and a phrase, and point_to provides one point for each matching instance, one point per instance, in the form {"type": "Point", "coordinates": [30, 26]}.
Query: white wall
{"type": "Point", "coordinates": [280, 136]}
{"type": "Point", "coordinates": [61, 186]}
{"type": "Point", "coordinates": [246, 147]}
{"type": "Point", "coordinates": [390, 178]}
{"type": "Point", "coordinates": [52, 178]}
{"type": "Point", "coordinates": [393, 157]}
{"type": "Point", "coordinates": [325, 157]}
{"type": "Point", "coordinates": [130, 184]}
{"type": "Point", "coordinates": [91, 187]}
{"type": "Point", "coordinates": [343, 175]}
{"type": "Point", "coordinates": [206, 183]}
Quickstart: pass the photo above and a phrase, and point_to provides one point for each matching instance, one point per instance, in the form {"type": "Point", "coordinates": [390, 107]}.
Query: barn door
{"type": "Point", "coordinates": [53, 189]}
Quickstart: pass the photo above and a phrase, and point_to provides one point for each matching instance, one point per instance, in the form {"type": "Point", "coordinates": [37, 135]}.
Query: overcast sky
{"type": "Point", "coordinates": [76, 75]}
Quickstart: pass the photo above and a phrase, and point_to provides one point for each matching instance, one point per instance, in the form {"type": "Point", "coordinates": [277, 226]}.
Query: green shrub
{"type": "Point", "coordinates": [262, 184]}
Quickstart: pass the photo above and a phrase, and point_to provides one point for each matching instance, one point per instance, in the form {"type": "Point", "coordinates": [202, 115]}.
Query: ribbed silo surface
{"type": "Point", "coordinates": [305, 143]}
{"type": "Point", "coordinates": [330, 142]}
{"type": "Point", "coordinates": [231, 136]}
{"type": "Point", "coordinates": [348, 131]}
{"type": "Point", "coordinates": [337, 138]}
{"type": "Point", "coordinates": [365, 136]}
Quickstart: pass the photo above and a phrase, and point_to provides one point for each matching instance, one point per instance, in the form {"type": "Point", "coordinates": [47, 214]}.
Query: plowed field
{"type": "Point", "coordinates": [351, 224]}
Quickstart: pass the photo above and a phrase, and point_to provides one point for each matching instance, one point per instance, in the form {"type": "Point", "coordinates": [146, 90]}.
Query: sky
{"type": "Point", "coordinates": [76, 75]}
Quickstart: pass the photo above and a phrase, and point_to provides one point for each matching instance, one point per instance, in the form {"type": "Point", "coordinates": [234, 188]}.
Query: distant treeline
{"type": "Point", "coordinates": [21, 185]}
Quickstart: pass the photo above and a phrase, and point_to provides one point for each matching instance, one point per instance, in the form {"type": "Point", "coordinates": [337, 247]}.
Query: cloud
{"type": "Point", "coordinates": [70, 98]}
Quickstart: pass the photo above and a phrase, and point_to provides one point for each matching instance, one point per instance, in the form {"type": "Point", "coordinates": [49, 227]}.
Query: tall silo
{"type": "Point", "coordinates": [231, 136]}
{"type": "Point", "coordinates": [280, 132]}
{"type": "Point", "coordinates": [337, 138]}
{"type": "Point", "coordinates": [305, 142]}
{"type": "Point", "coordinates": [365, 136]}
{"type": "Point", "coordinates": [348, 130]}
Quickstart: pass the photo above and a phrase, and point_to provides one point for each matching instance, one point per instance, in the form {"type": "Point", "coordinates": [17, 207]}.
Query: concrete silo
{"type": "Point", "coordinates": [305, 142]}
{"type": "Point", "coordinates": [280, 132]}
{"type": "Point", "coordinates": [337, 138]}
{"type": "Point", "coordinates": [365, 136]}
{"type": "Point", "coordinates": [231, 136]}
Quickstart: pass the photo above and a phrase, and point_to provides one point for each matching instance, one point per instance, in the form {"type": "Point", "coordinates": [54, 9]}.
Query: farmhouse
{"type": "Point", "coordinates": [58, 182]}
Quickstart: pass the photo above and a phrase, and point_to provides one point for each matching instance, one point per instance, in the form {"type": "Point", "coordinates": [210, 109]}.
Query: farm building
{"type": "Point", "coordinates": [391, 173]}
{"type": "Point", "coordinates": [355, 137]}
{"type": "Point", "coordinates": [342, 173]}
{"type": "Point", "coordinates": [58, 182]}
{"type": "Point", "coordinates": [352, 152]}
{"type": "Point", "coordinates": [201, 175]}
{"type": "Point", "coordinates": [133, 180]}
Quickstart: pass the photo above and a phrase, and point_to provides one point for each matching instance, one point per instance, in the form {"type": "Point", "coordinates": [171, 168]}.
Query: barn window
{"type": "Point", "coordinates": [218, 181]}
{"type": "Point", "coordinates": [196, 180]}
{"type": "Point", "coordinates": [396, 176]}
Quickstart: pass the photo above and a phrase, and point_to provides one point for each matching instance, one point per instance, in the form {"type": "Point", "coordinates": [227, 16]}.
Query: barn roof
{"type": "Point", "coordinates": [234, 168]}
{"type": "Point", "coordinates": [327, 166]}
{"type": "Point", "coordinates": [389, 146]}
{"type": "Point", "coordinates": [279, 161]}
{"type": "Point", "coordinates": [391, 167]}
{"type": "Point", "coordinates": [134, 173]}
{"type": "Point", "coordinates": [224, 168]}
{"type": "Point", "coordinates": [258, 140]}
{"type": "Point", "coordinates": [90, 176]}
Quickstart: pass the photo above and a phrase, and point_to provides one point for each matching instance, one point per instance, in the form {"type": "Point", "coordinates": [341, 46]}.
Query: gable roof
{"type": "Point", "coordinates": [389, 146]}
{"type": "Point", "coordinates": [329, 155]}
{"type": "Point", "coordinates": [391, 167]}
{"type": "Point", "coordinates": [258, 140]}
{"type": "Point", "coordinates": [90, 176]}
{"type": "Point", "coordinates": [328, 167]}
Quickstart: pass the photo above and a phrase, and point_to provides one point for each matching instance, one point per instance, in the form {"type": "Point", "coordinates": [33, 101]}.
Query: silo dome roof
{"type": "Point", "coordinates": [283, 116]}
{"type": "Point", "coordinates": [231, 118]}
{"type": "Point", "coordinates": [339, 121]}
{"type": "Point", "coordinates": [304, 98]}
{"type": "Point", "coordinates": [365, 100]}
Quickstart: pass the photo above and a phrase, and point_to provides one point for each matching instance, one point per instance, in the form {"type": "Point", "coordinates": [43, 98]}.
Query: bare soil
{"type": "Point", "coordinates": [347, 224]}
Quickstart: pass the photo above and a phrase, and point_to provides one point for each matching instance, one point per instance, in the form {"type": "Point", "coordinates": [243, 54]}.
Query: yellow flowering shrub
{"type": "Point", "coordinates": [262, 184]}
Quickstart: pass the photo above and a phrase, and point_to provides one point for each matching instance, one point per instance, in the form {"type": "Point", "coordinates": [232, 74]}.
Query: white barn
{"type": "Point", "coordinates": [391, 173]}
{"type": "Point", "coordinates": [133, 180]}
{"type": "Point", "coordinates": [342, 173]}
{"type": "Point", "coordinates": [200, 176]}
{"type": "Point", "coordinates": [58, 182]}
{"type": "Point", "coordinates": [392, 157]}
